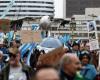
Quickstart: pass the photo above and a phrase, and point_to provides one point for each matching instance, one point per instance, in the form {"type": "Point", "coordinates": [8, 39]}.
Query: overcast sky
{"type": "Point", "coordinates": [58, 8]}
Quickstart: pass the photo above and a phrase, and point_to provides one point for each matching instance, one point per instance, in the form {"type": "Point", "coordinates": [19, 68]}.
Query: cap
{"type": "Point", "coordinates": [13, 51]}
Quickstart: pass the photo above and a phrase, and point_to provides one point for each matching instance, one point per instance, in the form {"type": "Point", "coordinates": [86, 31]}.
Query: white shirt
{"type": "Point", "coordinates": [17, 74]}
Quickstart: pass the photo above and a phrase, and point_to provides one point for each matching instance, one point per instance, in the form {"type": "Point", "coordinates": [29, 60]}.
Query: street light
{"type": "Point", "coordinates": [72, 26]}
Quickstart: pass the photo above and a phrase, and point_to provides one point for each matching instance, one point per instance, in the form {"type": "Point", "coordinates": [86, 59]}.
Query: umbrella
{"type": "Point", "coordinates": [51, 43]}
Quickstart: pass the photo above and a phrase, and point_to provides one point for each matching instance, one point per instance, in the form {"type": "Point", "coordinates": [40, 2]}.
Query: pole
{"type": "Point", "coordinates": [99, 60]}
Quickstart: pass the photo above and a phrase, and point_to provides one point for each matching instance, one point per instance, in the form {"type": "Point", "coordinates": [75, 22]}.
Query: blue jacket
{"type": "Point", "coordinates": [4, 50]}
{"type": "Point", "coordinates": [89, 72]}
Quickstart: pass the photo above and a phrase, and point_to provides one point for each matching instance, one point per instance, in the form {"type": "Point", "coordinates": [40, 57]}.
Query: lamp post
{"type": "Point", "coordinates": [72, 27]}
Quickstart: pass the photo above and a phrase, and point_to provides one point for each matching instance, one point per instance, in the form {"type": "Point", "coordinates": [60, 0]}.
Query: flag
{"type": "Point", "coordinates": [10, 36]}
{"type": "Point", "coordinates": [2, 35]}
{"type": "Point", "coordinates": [35, 27]}
{"type": "Point", "coordinates": [33, 45]}
{"type": "Point", "coordinates": [78, 41]}
{"type": "Point", "coordinates": [24, 48]}
{"type": "Point", "coordinates": [64, 38]}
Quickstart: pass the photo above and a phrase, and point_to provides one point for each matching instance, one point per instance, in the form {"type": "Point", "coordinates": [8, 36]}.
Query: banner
{"type": "Point", "coordinates": [4, 25]}
{"type": "Point", "coordinates": [94, 45]}
{"type": "Point", "coordinates": [93, 36]}
{"type": "Point", "coordinates": [30, 36]}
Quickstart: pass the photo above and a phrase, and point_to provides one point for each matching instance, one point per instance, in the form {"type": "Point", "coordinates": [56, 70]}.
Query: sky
{"type": "Point", "coordinates": [58, 8]}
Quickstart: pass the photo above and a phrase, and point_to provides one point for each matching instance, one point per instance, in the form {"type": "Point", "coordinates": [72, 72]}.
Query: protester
{"type": "Point", "coordinates": [2, 48]}
{"type": "Point", "coordinates": [76, 48]}
{"type": "Point", "coordinates": [15, 43]}
{"type": "Point", "coordinates": [1, 61]}
{"type": "Point", "coordinates": [69, 67]}
{"type": "Point", "coordinates": [15, 69]}
{"type": "Point", "coordinates": [87, 46]}
{"type": "Point", "coordinates": [88, 71]}
{"type": "Point", "coordinates": [47, 73]}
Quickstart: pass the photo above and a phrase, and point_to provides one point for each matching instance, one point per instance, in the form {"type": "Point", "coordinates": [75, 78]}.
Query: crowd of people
{"type": "Point", "coordinates": [77, 63]}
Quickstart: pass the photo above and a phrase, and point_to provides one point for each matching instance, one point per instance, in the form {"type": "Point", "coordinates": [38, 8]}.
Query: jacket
{"type": "Point", "coordinates": [5, 72]}
{"type": "Point", "coordinates": [64, 76]}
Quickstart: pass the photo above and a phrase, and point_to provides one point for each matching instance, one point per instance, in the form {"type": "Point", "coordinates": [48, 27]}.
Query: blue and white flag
{"type": "Point", "coordinates": [64, 38]}
{"type": "Point", "coordinates": [2, 35]}
{"type": "Point", "coordinates": [23, 49]}
{"type": "Point", "coordinates": [33, 45]}
{"type": "Point", "coordinates": [35, 27]}
{"type": "Point", "coordinates": [10, 35]}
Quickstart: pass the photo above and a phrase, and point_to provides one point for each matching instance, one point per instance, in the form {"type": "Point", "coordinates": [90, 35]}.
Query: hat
{"type": "Point", "coordinates": [13, 51]}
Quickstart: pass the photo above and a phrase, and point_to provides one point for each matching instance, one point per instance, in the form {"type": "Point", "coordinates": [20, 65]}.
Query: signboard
{"type": "Point", "coordinates": [4, 25]}
{"type": "Point", "coordinates": [94, 45]}
{"type": "Point", "coordinates": [37, 36]}
{"type": "Point", "coordinates": [52, 57]}
{"type": "Point", "coordinates": [30, 36]}
{"type": "Point", "coordinates": [93, 37]}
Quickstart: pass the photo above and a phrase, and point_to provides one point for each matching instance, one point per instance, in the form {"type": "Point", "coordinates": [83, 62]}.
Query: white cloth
{"type": "Point", "coordinates": [45, 49]}
{"type": "Point", "coordinates": [17, 74]}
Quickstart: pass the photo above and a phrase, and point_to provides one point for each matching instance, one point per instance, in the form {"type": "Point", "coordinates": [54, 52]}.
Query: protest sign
{"type": "Point", "coordinates": [30, 36]}
{"type": "Point", "coordinates": [4, 25]}
{"type": "Point", "coordinates": [94, 45]}
{"type": "Point", "coordinates": [92, 34]}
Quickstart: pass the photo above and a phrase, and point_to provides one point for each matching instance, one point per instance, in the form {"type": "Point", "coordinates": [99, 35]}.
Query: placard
{"type": "Point", "coordinates": [30, 36]}
{"type": "Point", "coordinates": [94, 45]}
{"type": "Point", "coordinates": [4, 25]}
{"type": "Point", "coordinates": [93, 36]}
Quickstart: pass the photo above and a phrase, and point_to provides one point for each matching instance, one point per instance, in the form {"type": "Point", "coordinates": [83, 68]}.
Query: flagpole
{"type": "Point", "coordinates": [72, 27]}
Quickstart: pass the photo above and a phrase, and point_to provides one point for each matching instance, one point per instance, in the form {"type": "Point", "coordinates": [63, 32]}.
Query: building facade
{"type": "Point", "coordinates": [80, 32]}
{"type": "Point", "coordinates": [26, 8]}
{"type": "Point", "coordinates": [77, 7]}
